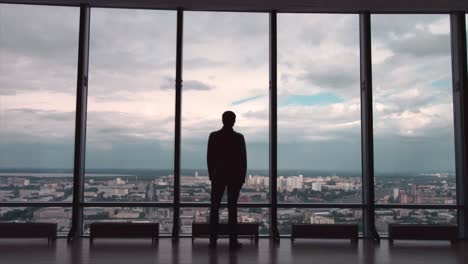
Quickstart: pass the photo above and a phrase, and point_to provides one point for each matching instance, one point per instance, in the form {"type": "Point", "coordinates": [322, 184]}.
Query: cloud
{"type": "Point", "coordinates": [187, 85]}
{"type": "Point", "coordinates": [33, 32]}
{"type": "Point", "coordinates": [196, 85]}
{"type": "Point", "coordinates": [201, 62]}
{"type": "Point", "coordinates": [247, 99]}
{"type": "Point", "coordinates": [110, 127]}
{"type": "Point", "coordinates": [331, 79]}
{"type": "Point", "coordinates": [393, 26]}
{"type": "Point", "coordinates": [131, 88]}
{"type": "Point", "coordinates": [314, 58]}
{"type": "Point", "coordinates": [422, 44]}
{"type": "Point", "coordinates": [28, 125]}
{"type": "Point", "coordinates": [263, 114]}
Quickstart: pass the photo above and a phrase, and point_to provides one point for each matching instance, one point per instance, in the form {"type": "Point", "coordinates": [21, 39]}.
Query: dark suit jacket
{"type": "Point", "coordinates": [227, 156]}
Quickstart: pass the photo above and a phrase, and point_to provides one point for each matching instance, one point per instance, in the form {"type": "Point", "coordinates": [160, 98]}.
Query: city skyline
{"type": "Point", "coordinates": [107, 187]}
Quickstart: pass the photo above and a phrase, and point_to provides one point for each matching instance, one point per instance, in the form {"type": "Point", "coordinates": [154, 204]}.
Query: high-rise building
{"type": "Point", "coordinates": [396, 193]}
{"type": "Point", "coordinates": [316, 186]}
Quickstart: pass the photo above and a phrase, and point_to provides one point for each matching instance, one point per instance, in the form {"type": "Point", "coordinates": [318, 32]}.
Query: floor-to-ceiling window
{"type": "Point", "coordinates": [37, 110]}
{"type": "Point", "coordinates": [413, 118]}
{"type": "Point", "coordinates": [225, 67]}
{"type": "Point", "coordinates": [130, 115]}
{"type": "Point", "coordinates": [319, 151]}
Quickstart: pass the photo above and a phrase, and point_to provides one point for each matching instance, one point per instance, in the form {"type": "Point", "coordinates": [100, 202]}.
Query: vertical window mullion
{"type": "Point", "coordinates": [459, 84]}
{"type": "Point", "coordinates": [80, 122]}
{"type": "Point", "coordinates": [178, 109]}
{"type": "Point", "coordinates": [273, 127]}
{"type": "Point", "coordinates": [367, 138]}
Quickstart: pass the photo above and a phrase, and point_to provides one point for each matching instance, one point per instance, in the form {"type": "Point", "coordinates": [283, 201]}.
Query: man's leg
{"type": "Point", "coordinates": [217, 190]}
{"type": "Point", "coordinates": [233, 195]}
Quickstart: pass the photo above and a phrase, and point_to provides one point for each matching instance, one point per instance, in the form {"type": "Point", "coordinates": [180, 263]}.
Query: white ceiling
{"type": "Point", "coordinates": [340, 6]}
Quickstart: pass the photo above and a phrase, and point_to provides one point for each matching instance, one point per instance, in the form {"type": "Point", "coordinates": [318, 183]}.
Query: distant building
{"type": "Point", "coordinates": [396, 193]}
{"type": "Point", "coordinates": [319, 219]}
{"type": "Point", "coordinates": [316, 186]}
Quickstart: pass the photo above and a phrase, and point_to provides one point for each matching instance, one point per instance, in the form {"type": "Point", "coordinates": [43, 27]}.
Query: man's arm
{"type": "Point", "coordinates": [210, 157]}
{"type": "Point", "coordinates": [243, 159]}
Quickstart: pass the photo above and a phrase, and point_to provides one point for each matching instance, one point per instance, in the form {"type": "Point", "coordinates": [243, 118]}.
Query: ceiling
{"type": "Point", "coordinates": [323, 6]}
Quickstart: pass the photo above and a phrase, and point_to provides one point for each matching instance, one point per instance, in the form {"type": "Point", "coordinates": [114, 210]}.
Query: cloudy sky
{"type": "Point", "coordinates": [132, 100]}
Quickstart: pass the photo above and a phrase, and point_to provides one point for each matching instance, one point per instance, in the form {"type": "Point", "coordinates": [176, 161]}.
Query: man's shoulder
{"type": "Point", "coordinates": [239, 135]}
{"type": "Point", "coordinates": [218, 132]}
{"type": "Point", "coordinates": [214, 133]}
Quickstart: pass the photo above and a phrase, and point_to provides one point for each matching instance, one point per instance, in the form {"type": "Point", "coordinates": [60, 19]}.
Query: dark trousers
{"type": "Point", "coordinates": [217, 190]}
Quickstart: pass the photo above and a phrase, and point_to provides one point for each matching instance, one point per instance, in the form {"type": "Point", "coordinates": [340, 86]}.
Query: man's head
{"type": "Point", "coordinates": [229, 118]}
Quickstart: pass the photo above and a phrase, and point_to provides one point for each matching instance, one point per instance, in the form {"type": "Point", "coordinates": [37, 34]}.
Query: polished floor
{"type": "Point", "coordinates": [104, 251]}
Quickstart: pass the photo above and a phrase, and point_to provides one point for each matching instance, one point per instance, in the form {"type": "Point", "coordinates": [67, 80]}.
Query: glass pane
{"type": "Point", "coordinates": [163, 216]}
{"type": "Point", "coordinates": [288, 217]}
{"type": "Point", "coordinates": [57, 215]}
{"type": "Point", "coordinates": [319, 141]}
{"type": "Point", "coordinates": [244, 215]}
{"type": "Point", "coordinates": [130, 136]}
{"type": "Point", "coordinates": [413, 111]}
{"type": "Point", "coordinates": [413, 216]}
{"type": "Point", "coordinates": [38, 60]}
{"type": "Point", "coordinates": [225, 68]}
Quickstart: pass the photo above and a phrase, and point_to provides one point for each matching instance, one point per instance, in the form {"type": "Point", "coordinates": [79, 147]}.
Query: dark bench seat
{"type": "Point", "coordinates": [346, 231]}
{"type": "Point", "coordinates": [124, 230]}
{"type": "Point", "coordinates": [29, 230]}
{"type": "Point", "coordinates": [249, 230]}
{"type": "Point", "coordinates": [422, 232]}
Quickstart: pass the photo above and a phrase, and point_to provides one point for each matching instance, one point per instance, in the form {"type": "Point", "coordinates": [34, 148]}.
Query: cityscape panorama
{"type": "Point", "coordinates": [131, 102]}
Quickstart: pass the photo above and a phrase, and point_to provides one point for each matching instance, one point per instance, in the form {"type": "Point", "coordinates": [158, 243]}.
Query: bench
{"type": "Point", "coordinates": [249, 230]}
{"type": "Point", "coordinates": [124, 230]}
{"type": "Point", "coordinates": [346, 231]}
{"type": "Point", "coordinates": [422, 232]}
{"type": "Point", "coordinates": [29, 230]}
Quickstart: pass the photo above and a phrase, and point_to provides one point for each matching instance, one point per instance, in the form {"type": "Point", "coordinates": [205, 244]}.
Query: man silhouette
{"type": "Point", "coordinates": [227, 167]}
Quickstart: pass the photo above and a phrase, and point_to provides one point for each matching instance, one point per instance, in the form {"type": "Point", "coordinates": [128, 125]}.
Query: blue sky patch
{"type": "Point", "coordinates": [441, 83]}
{"type": "Point", "coordinates": [316, 99]}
